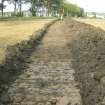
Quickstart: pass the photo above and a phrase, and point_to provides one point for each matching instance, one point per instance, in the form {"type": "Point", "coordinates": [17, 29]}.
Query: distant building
{"type": "Point", "coordinates": [96, 15]}
{"type": "Point", "coordinates": [27, 13]}
{"type": "Point", "coordinates": [41, 11]}
{"type": "Point", "coordinates": [90, 14]}
{"type": "Point", "coordinates": [6, 14]}
{"type": "Point", "coordinates": [100, 15]}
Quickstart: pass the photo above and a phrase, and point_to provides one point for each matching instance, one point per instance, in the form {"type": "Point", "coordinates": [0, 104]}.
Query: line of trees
{"type": "Point", "coordinates": [52, 6]}
{"type": "Point", "coordinates": [17, 5]}
{"type": "Point", "coordinates": [2, 6]}
{"type": "Point", "coordinates": [73, 10]}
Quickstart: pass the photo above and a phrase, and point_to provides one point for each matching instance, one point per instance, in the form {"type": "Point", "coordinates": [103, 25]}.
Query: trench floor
{"type": "Point", "coordinates": [49, 78]}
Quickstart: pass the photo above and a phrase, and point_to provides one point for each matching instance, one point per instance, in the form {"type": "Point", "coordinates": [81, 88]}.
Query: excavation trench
{"type": "Point", "coordinates": [49, 78]}
{"type": "Point", "coordinates": [66, 68]}
{"type": "Point", "coordinates": [16, 61]}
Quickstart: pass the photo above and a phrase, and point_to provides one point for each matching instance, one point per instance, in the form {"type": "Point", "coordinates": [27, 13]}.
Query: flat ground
{"type": "Point", "coordinates": [14, 31]}
{"type": "Point", "coordinates": [95, 22]}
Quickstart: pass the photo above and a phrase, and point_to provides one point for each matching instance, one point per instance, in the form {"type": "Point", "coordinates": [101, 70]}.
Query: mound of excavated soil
{"type": "Point", "coordinates": [88, 52]}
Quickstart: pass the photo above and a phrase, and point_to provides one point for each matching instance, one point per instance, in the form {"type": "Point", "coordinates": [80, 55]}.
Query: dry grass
{"type": "Point", "coordinates": [95, 22]}
{"type": "Point", "coordinates": [12, 32]}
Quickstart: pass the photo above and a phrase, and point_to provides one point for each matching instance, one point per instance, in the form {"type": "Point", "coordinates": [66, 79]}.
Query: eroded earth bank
{"type": "Point", "coordinates": [67, 68]}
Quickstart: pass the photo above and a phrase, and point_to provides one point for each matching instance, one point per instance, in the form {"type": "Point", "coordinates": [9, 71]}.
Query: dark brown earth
{"type": "Point", "coordinates": [88, 53]}
{"type": "Point", "coordinates": [67, 68]}
{"type": "Point", "coordinates": [49, 77]}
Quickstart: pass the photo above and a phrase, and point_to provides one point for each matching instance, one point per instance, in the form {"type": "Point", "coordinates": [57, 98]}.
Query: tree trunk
{"type": "Point", "coordinates": [20, 7]}
{"type": "Point", "coordinates": [48, 7]}
{"type": "Point", "coordinates": [2, 12]}
{"type": "Point", "coordinates": [15, 7]}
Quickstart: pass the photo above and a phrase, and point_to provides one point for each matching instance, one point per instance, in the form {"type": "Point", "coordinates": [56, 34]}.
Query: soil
{"type": "Point", "coordinates": [13, 32]}
{"type": "Point", "coordinates": [67, 68]}
{"type": "Point", "coordinates": [88, 53]}
{"type": "Point", "coordinates": [49, 77]}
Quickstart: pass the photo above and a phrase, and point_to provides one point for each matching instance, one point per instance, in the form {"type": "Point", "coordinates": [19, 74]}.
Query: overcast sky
{"type": "Point", "coordinates": [10, 7]}
{"type": "Point", "coordinates": [90, 5]}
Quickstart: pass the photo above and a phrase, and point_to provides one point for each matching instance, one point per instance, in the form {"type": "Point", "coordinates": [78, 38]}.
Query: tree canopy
{"type": "Point", "coordinates": [73, 10]}
{"type": "Point", "coordinates": [51, 6]}
{"type": "Point", "coordinates": [57, 6]}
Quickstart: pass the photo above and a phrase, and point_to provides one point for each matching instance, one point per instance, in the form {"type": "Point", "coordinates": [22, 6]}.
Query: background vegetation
{"type": "Point", "coordinates": [52, 7]}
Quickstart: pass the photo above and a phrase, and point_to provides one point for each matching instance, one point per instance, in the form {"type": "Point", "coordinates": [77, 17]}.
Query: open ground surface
{"type": "Point", "coordinates": [15, 31]}
{"type": "Point", "coordinates": [50, 76]}
{"type": "Point", "coordinates": [88, 53]}
{"type": "Point", "coordinates": [66, 68]}
{"type": "Point", "coordinates": [95, 22]}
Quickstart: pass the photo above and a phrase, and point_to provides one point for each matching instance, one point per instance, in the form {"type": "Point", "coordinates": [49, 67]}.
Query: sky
{"type": "Point", "coordinates": [10, 7]}
{"type": "Point", "coordinates": [90, 5]}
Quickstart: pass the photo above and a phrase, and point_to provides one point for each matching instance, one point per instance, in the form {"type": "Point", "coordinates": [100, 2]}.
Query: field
{"type": "Point", "coordinates": [67, 68]}
{"type": "Point", "coordinates": [69, 50]}
{"type": "Point", "coordinates": [95, 22]}
{"type": "Point", "coordinates": [14, 31]}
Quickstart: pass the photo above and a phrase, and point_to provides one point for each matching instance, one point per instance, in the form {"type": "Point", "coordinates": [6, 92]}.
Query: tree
{"type": "Point", "coordinates": [2, 6]}
{"type": "Point", "coordinates": [33, 6]}
{"type": "Point", "coordinates": [50, 5]}
{"type": "Point", "coordinates": [15, 2]}
{"type": "Point", "coordinates": [20, 7]}
{"type": "Point", "coordinates": [73, 10]}
{"type": "Point", "coordinates": [20, 3]}
{"type": "Point", "coordinates": [55, 5]}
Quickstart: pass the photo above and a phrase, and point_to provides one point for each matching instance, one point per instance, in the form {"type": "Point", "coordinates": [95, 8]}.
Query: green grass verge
{"type": "Point", "coordinates": [23, 18]}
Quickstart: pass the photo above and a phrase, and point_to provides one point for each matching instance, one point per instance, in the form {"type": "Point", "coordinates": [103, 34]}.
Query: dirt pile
{"type": "Point", "coordinates": [88, 52]}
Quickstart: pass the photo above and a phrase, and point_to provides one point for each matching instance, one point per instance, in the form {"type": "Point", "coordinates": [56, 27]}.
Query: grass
{"type": "Point", "coordinates": [95, 22]}
{"type": "Point", "coordinates": [23, 18]}
{"type": "Point", "coordinates": [12, 32]}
